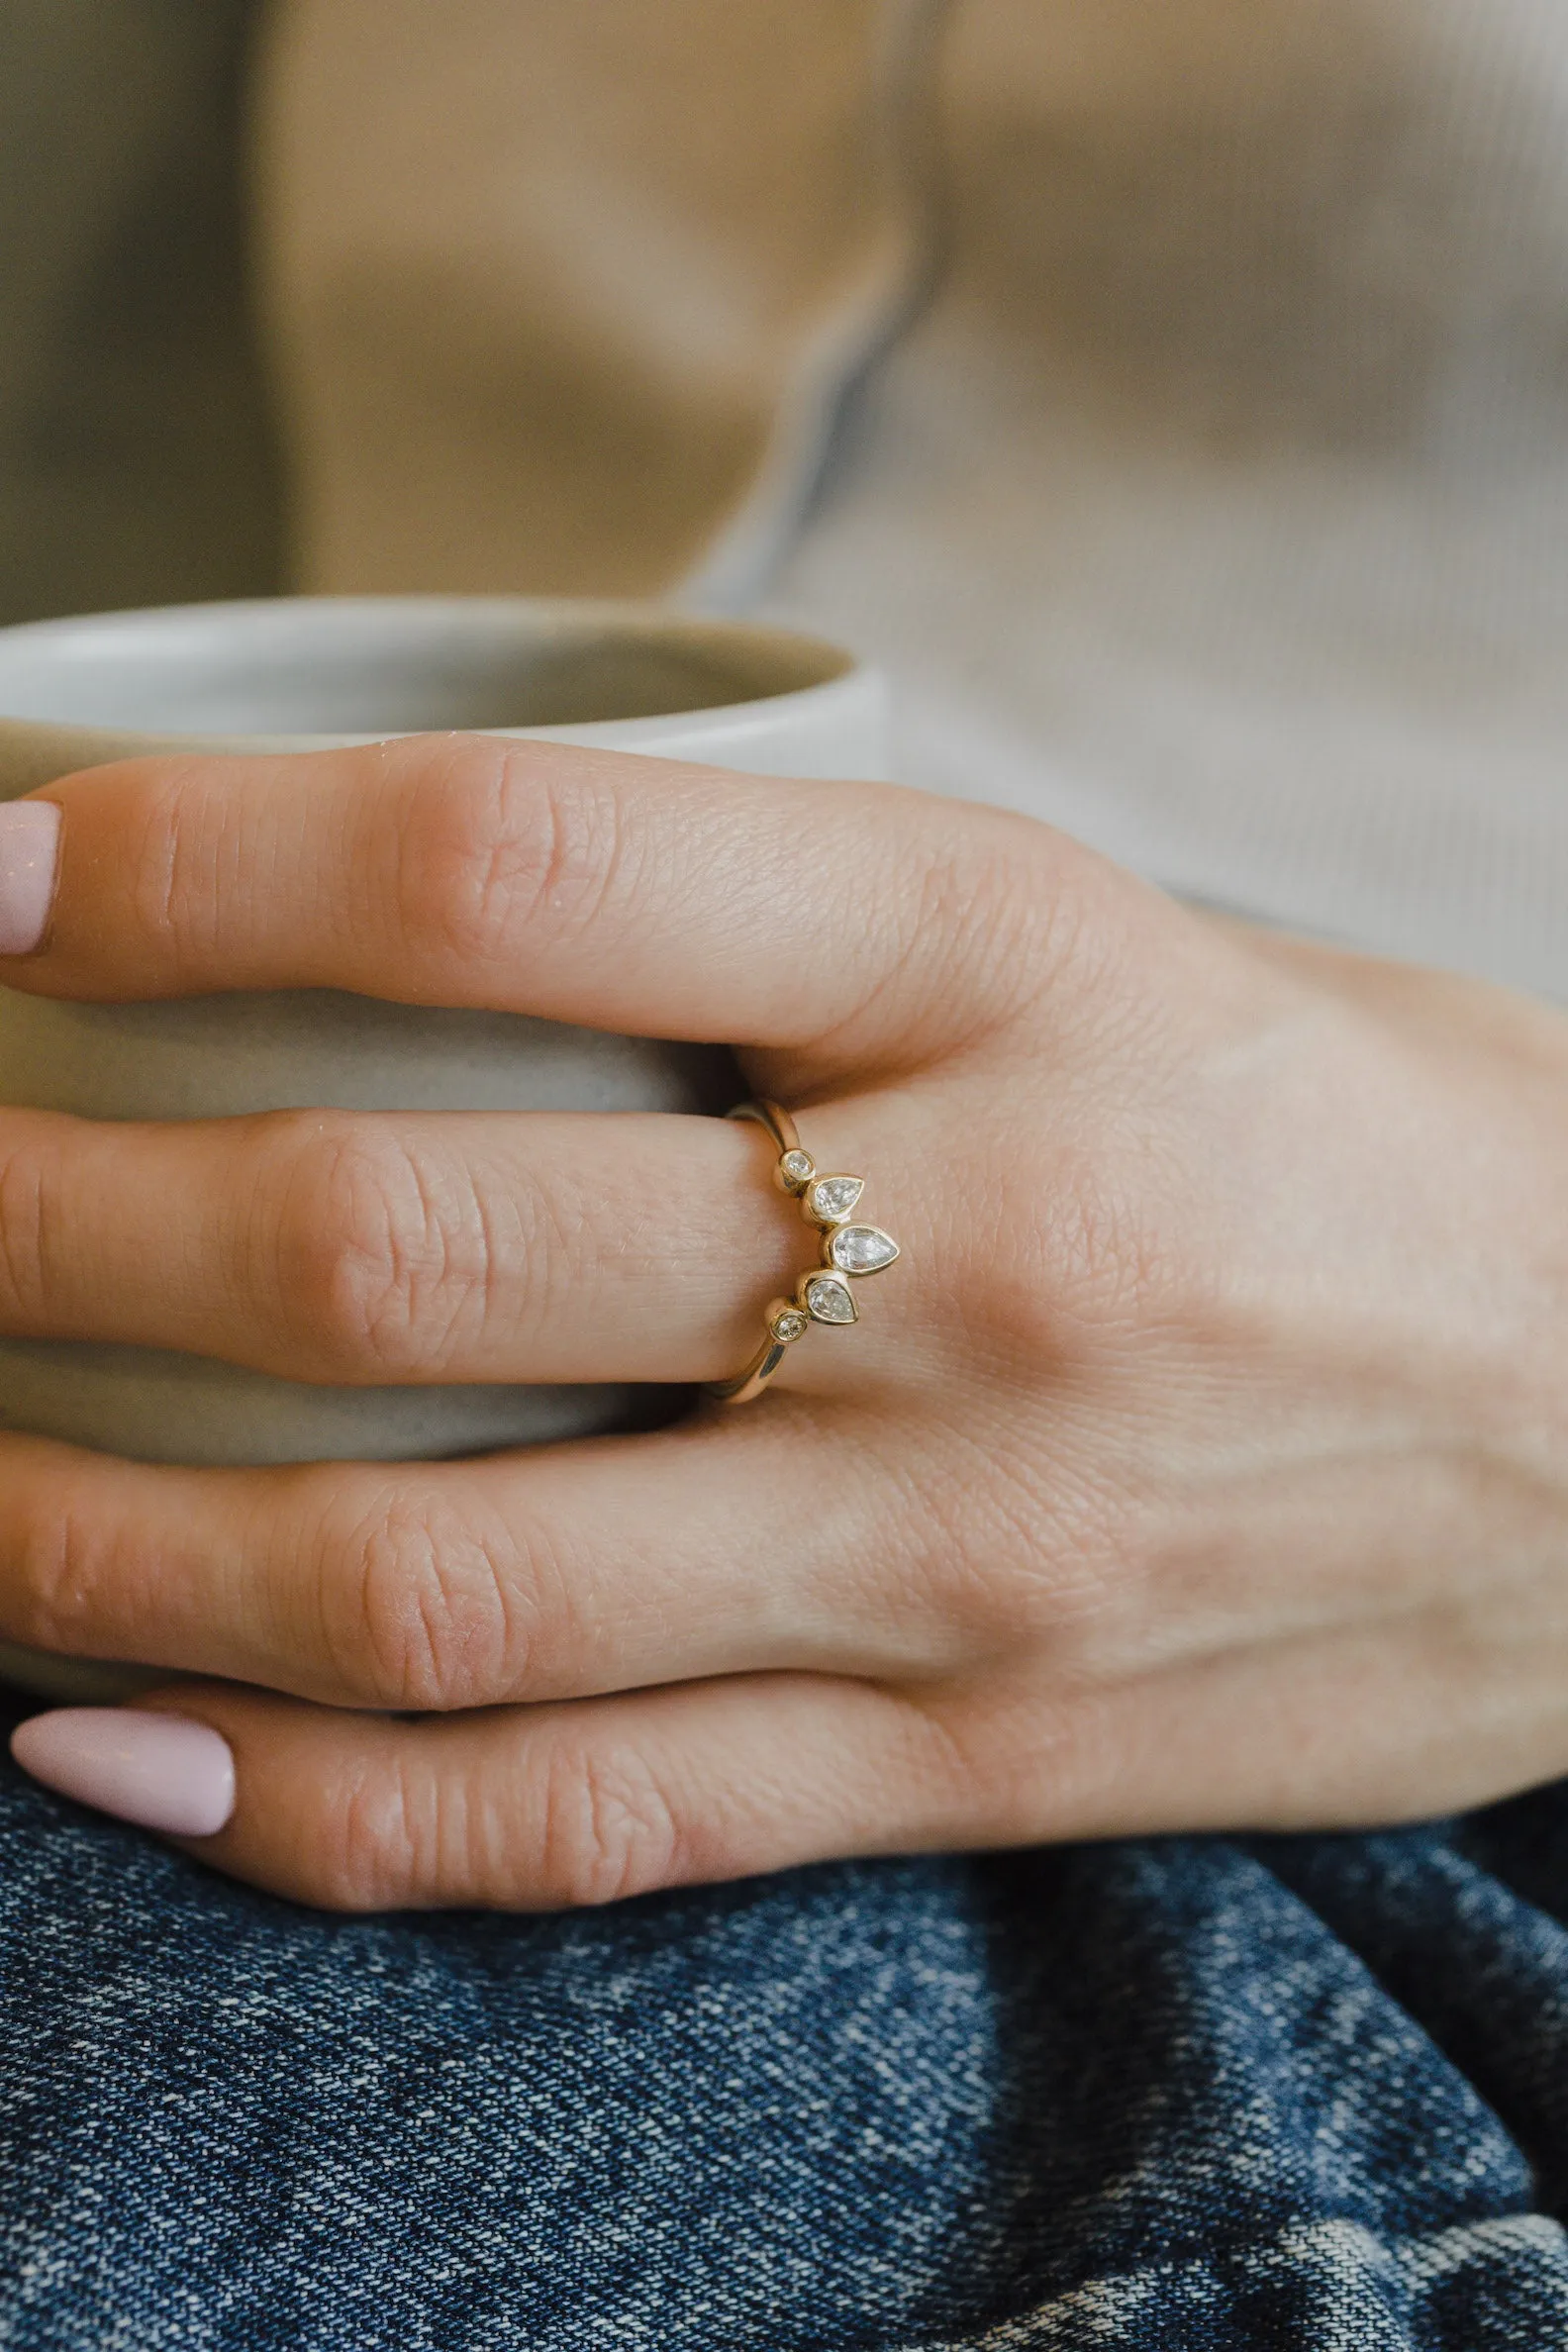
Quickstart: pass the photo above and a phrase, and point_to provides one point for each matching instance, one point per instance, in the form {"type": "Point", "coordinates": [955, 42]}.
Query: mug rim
{"type": "Point", "coordinates": [819, 666]}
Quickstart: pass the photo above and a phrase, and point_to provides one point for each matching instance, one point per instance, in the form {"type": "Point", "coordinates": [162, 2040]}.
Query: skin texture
{"type": "Point", "coordinates": [1200, 1464]}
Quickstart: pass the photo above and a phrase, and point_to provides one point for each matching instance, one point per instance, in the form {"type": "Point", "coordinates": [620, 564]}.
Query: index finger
{"type": "Point", "coordinates": [612, 890]}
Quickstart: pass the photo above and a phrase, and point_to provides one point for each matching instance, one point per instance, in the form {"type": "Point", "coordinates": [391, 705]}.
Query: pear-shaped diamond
{"type": "Point", "coordinates": [863, 1249]}
{"type": "Point", "coordinates": [827, 1299]}
{"type": "Point", "coordinates": [832, 1198]}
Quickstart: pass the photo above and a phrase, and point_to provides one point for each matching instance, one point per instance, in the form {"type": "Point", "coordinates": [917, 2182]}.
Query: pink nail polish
{"type": "Point", "coordinates": [163, 1771]}
{"type": "Point", "coordinates": [30, 832]}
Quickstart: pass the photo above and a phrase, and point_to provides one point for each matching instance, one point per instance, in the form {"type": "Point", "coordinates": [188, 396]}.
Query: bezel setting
{"type": "Point", "coordinates": [845, 1242]}
{"type": "Point", "coordinates": [823, 1287]}
{"type": "Point", "coordinates": [852, 1251]}
{"type": "Point", "coordinates": [830, 1200]}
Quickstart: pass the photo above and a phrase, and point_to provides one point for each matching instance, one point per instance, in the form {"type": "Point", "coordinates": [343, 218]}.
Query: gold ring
{"type": "Point", "coordinates": [849, 1251]}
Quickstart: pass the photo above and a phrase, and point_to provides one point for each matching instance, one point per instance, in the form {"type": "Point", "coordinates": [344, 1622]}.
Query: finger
{"type": "Point", "coordinates": [744, 1542]}
{"type": "Point", "coordinates": [390, 1248]}
{"type": "Point", "coordinates": [552, 1806]}
{"type": "Point", "coordinates": [612, 890]}
{"type": "Point", "coordinates": [527, 1808]}
{"type": "Point", "coordinates": [555, 1807]}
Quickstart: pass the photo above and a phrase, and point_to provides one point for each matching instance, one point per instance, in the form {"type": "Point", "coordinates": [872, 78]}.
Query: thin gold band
{"type": "Point", "coordinates": [849, 1251]}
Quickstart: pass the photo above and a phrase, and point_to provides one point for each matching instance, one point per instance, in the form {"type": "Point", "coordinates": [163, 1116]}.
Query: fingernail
{"type": "Point", "coordinates": [30, 833]}
{"type": "Point", "coordinates": [163, 1771]}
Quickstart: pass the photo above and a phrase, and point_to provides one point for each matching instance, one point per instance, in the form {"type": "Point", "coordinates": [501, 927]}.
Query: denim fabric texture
{"type": "Point", "coordinates": [1196, 2094]}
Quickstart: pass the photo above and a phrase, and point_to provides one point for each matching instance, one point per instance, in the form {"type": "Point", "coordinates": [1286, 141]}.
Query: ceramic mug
{"type": "Point", "coordinates": [304, 673]}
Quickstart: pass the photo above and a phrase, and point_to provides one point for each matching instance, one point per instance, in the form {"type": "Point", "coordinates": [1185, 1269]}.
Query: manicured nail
{"type": "Point", "coordinates": [163, 1771]}
{"type": "Point", "coordinates": [30, 833]}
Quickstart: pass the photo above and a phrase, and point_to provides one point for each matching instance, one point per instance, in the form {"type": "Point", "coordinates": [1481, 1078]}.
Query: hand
{"type": "Point", "coordinates": [1202, 1463]}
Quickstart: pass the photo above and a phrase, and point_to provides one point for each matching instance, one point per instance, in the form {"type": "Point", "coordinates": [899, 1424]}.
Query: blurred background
{"type": "Point", "coordinates": [1173, 394]}
{"type": "Point", "coordinates": [136, 459]}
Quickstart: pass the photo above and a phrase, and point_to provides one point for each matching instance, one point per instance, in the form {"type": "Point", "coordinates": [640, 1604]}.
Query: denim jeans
{"type": "Point", "coordinates": [1195, 2092]}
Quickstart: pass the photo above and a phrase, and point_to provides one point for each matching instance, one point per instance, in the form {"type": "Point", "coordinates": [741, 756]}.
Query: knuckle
{"type": "Point", "coordinates": [380, 1261]}
{"type": "Point", "coordinates": [1026, 1771]}
{"type": "Point", "coordinates": [607, 1827]}
{"type": "Point", "coordinates": [1113, 1264]}
{"type": "Point", "coordinates": [28, 1184]}
{"type": "Point", "coordinates": [976, 897]}
{"type": "Point", "coordinates": [178, 830]}
{"type": "Point", "coordinates": [503, 843]}
{"type": "Point", "coordinates": [363, 1845]}
{"type": "Point", "coordinates": [1088, 1263]}
{"type": "Point", "coordinates": [61, 1581]}
{"type": "Point", "coordinates": [1021, 1556]}
{"type": "Point", "coordinates": [416, 1605]}
{"type": "Point", "coordinates": [996, 912]}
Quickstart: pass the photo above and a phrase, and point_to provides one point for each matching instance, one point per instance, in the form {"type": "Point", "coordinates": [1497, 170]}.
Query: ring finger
{"type": "Point", "coordinates": [384, 1248]}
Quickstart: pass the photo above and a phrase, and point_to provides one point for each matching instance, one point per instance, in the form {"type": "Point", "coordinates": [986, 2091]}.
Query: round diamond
{"type": "Point", "coordinates": [789, 1325]}
{"type": "Point", "coordinates": [797, 1167]}
{"type": "Point", "coordinates": [833, 1196]}
{"type": "Point", "coordinates": [828, 1297]}
{"type": "Point", "coordinates": [862, 1248]}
